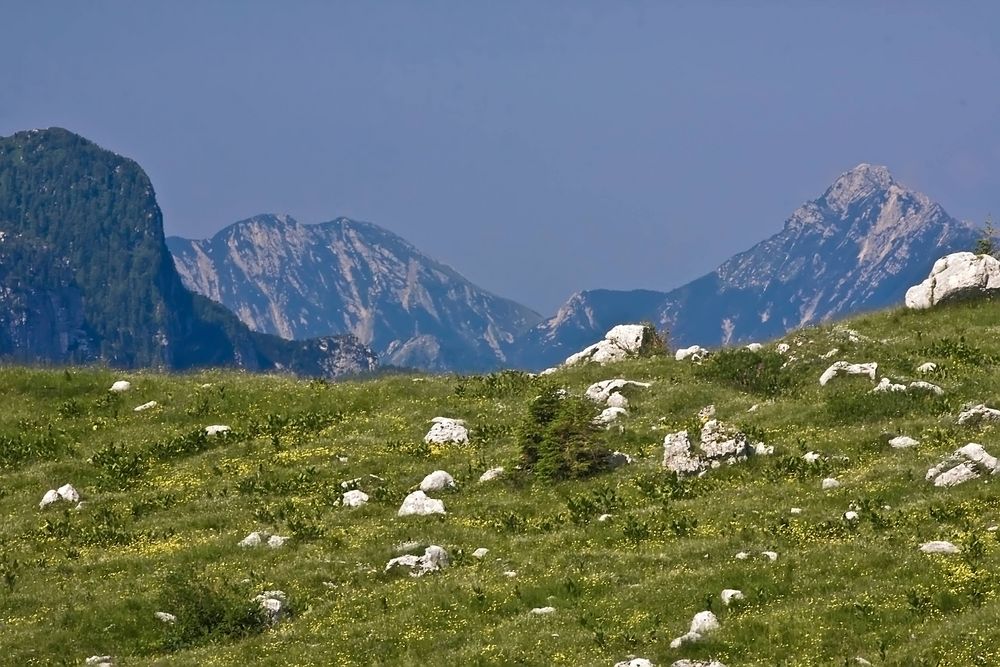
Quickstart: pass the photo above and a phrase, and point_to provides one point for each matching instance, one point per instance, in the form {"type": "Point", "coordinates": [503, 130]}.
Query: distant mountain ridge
{"type": "Point", "coordinates": [85, 274]}
{"type": "Point", "coordinates": [857, 247]}
{"type": "Point", "coordinates": [301, 280]}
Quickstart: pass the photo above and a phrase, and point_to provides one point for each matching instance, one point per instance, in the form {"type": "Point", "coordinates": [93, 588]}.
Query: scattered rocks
{"type": "Point", "coordinates": [120, 386]}
{"type": "Point", "coordinates": [480, 553]}
{"type": "Point", "coordinates": [703, 623]}
{"type": "Point", "coordinates": [257, 538]}
{"type": "Point", "coordinates": [447, 430]}
{"type": "Point", "coordinates": [956, 276]}
{"type": "Point", "coordinates": [695, 353]}
{"type": "Point", "coordinates": [978, 414]}
{"type": "Point", "coordinates": [939, 547]}
{"type": "Point", "coordinates": [718, 444]}
{"type": "Point", "coordinates": [437, 481]}
{"type": "Point", "coordinates": [145, 406]}
{"type": "Point", "coordinates": [418, 503]}
{"type": "Point", "coordinates": [354, 498]}
{"type": "Point", "coordinates": [165, 617]}
{"type": "Point", "coordinates": [730, 595]}
{"type": "Point", "coordinates": [621, 342]}
{"type": "Point", "coordinates": [435, 558]}
{"type": "Point", "coordinates": [830, 483]}
{"type": "Point", "coordinates": [491, 474]}
{"type": "Point", "coordinates": [600, 392]}
{"type": "Point", "coordinates": [903, 442]}
{"type": "Point", "coordinates": [274, 604]}
{"type": "Point", "coordinates": [845, 368]}
{"type": "Point", "coordinates": [216, 429]}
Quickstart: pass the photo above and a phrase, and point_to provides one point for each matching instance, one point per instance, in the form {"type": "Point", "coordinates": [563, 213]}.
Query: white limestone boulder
{"type": "Point", "coordinates": [609, 415]}
{"type": "Point", "coordinates": [68, 493]}
{"type": "Point", "coordinates": [165, 617]}
{"type": "Point", "coordinates": [274, 604]}
{"type": "Point", "coordinates": [437, 481]}
{"type": "Point", "coordinates": [434, 558]}
{"type": "Point", "coordinates": [354, 498]}
{"type": "Point", "coordinates": [846, 368]}
{"type": "Point", "coordinates": [51, 496]}
{"type": "Point", "coordinates": [677, 454]}
{"type": "Point", "coordinates": [965, 464]}
{"type": "Point", "coordinates": [978, 414]}
{"type": "Point", "coordinates": [145, 406]}
{"type": "Point", "coordinates": [939, 547]}
{"type": "Point", "coordinates": [696, 663]}
{"type": "Point", "coordinates": [960, 275]}
{"type": "Point", "coordinates": [635, 662]}
{"type": "Point", "coordinates": [120, 386]}
{"type": "Point", "coordinates": [885, 385]}
{"type": "Point", "coordinates": [600, 392]}
{"type": "Point", "coordinates": [703, 623]}
{"type": "Point", "coordinates": [253, 540]}
{"type": "Point", "coordinates": [216, 429]}
{"type": "Point", "coordinates": [694, 353]}
{"type": "Point", "coordinates": [730, 595]}
{"type": "Point", "coordinates": [903, 442]}
{"type": "Point", "coordinates": [622, 342]}
{"type": "Point", "coordinates": [491, 474]}
{"type": "Point", "coordinates": [829, 484]}
{"type": "Point", "coordinates": [920, 385]}
{"type": "Point", "coordinates": [417, 503]}
{"type": "Point", "coordinates": [480, 553]}
{"type": "Point", "coordinates": [277, 541]}
{"type": "Point", "coordinates": [617, 400]}
{"type": "Point", "coordinates": [754, 347]}
{"type": "Point", "coordinates": [543, 611]}
{"type": "Point", "coordinates": [927, 368]}
{"type": "Point", "coordinates": [445, 430]}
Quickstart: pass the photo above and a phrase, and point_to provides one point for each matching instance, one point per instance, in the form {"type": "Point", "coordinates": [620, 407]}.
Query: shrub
{"type": "Point", "coordinates": [559, 440]}
{"type": "Point", "coordinates": [753, 372]}
{"type": "Point", "coordinates": [118, 466]}
{"type": "Point", "coordinates": [495, 385]}
{"type": "Point", "coordinates": [208, 610]}
{"type": "Point", "coordinates": [847, 404]}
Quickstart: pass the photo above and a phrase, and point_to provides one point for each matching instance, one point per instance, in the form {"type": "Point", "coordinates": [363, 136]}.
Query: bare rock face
{"type": "Point", "coordinates": [960, 275]}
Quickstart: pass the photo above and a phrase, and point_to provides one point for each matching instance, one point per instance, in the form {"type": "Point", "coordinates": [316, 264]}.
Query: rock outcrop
{"type": "Point", "coordinates": [960, 275]}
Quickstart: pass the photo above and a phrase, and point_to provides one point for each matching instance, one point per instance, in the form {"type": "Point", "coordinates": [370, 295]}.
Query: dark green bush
{"type": "Point", "coordinates": [559, 440]}
{"type": "Point", "coordinates": [753, 372]}
{"type": "Point", "coordinates": [208, 610]}
{"type": "Point", "coordinates": [502, 384]}
{"type": "Point", "coordinates": [849, 404]}
{"type": "Point", "coordinates": [959, 351]}
{"type": "Point", "coordinates": [118, 466]}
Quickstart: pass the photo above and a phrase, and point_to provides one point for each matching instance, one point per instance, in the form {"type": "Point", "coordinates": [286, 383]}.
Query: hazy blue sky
{"type": "Point", "coordinates": [537, 147]}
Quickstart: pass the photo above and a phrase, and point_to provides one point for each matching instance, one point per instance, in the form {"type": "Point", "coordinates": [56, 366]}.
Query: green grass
{"type": "Point", "coordinates": [165, 508]}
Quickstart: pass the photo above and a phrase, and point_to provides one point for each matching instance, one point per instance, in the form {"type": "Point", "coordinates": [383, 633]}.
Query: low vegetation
{"type": "Point", "coordinates": [626, 555]}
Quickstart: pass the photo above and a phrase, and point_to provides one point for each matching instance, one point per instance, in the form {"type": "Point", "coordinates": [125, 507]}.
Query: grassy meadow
{"type": "Point", "coordinates": [165, 507]}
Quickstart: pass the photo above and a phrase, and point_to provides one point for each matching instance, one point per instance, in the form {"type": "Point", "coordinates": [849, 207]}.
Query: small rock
{"type": "Point", "coordinates": [145, 406]}
{"type": "Point", "coordinates": [165, 617]}
{"type": "Point", "coordinates": [703, 623]}
{"type": "Point", "coordinates": [959, 474]}
{"type": "Point", "coordinates": [418, 503]}
{"type": "Point", "coordinates": [783, 348]}
{"type": "Point", "coordinates": [491, 474]}
{"type": "Point", "coordinates": [618, 459]}
{"type": "Point", "coordinates": [609, 415]}
{"type": "Point", "coordinates": [252, 540]}
{"type": "Point", "coordinates": [437, 481]}
{"type": "Point", "coordinates": [885, 385]}
{"type": "Point", "coordinates": [706, 413]}
{"type": "Point", "coordinates": [616, 400]}
{"type": "Point", "coordinates": [277, 541]}
{"type": "Point", "coordinates": [635, 662]}
{"type": "Point", "coordinates": [677, 454]}
{"type": "Point", "coordinates": [920, 385]}
{"type": "Point", "coordinates": [939, 547]}
{"type": "Point", "coordinates": [99, 660]}
{"type": "Point", "coordinates": [743, 555]}
{"type": "Point", "coordinates": [696, 663]}
{"type": "Point", "coordinates": [68, 493]}
{"type": "Point", "coordinates": [831, 353]}
{"type": "Point", "coordinates": [850, 515]}
{"type": "Point", "coordinates": [216, 429]}
{"type": "Point", "coordinates": [830, 483]}
{"type": "Point", "coordinates": [796, 510]}
{"type": "Point", "coordinates": [928, 367]}
{"type": "Point", "coordinates": [903, 442]}
{"type": "Point", "coordinates": [354, 498]}
{"type": "Point", "coordinates": [435, 558]}
{"type": "Point", "coordinates": [510, 573]}
{"type": "Point", "coordinates": [604, 517]}
{"type": "Point", "coordinates": [447, 430]}
{"type": "Point", "coordinates": [274, 604]}
{"type": "Point", "coordinates": [120, 386]}
{"type": "Point", "coordinates": [50, 497]}
{"type": "Point", "coordinates": [731, 594]}
{"type": "Point", "coordinates": [754, 347]}
{"type": "Point", "coordinates": [771, 555]}
{"type": "Point", "coordinates": [845, 368]}
{"type": "Point", "coordinates": [811, 457]}
{"type": "Point", "coordinates": [480, 552]}
{"type": "Point", "coordinates": [600, 392]}
{"type": "Point", "coordinates": [541, 611]}
{"type": "Point", "coordinates": [694, 353]}
{"type": "Point", "coordinates": [753, 408]}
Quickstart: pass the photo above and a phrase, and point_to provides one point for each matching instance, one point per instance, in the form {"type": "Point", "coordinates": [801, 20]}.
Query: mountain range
{"type": "Point", "coordinates": [86, 275]}
{"type": "Point", "coordinates": [344, 276]}
{"type": "Point", "coordinates": [857, 247]}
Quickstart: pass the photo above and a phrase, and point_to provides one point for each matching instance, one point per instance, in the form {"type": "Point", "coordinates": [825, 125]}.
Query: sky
{"type": "Point", "coordinates": [539, 148]}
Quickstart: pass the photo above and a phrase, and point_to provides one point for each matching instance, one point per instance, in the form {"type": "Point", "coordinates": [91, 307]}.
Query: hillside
{"type": "Point", "coordinates": [165, 507]}
{"type": "Point", "coordinates": [348, 277]}
{"type": "Point", "coordinates": [855, 248]}
{"type": "Point", "coordinates": [85, 275]}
